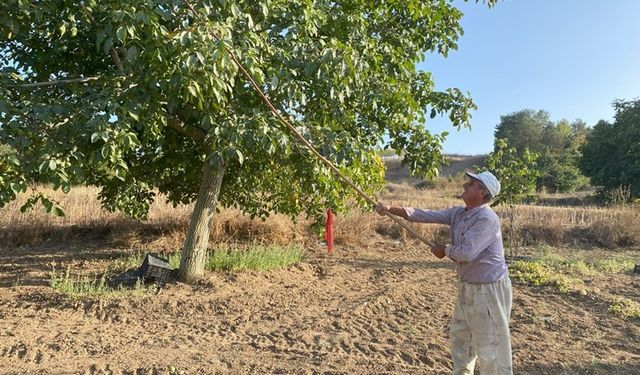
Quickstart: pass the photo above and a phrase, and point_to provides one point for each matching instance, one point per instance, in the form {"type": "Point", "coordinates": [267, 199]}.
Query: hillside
{"type": "Point", "coordinates": [457, 165]}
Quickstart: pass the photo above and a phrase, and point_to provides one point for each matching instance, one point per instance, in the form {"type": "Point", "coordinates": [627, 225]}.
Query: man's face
{"type": "Point", "coordinates": [473, 192]}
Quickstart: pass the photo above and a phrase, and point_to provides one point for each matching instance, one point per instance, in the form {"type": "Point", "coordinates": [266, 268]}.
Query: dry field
{"type": "Point", "coordinates": [380, 304]}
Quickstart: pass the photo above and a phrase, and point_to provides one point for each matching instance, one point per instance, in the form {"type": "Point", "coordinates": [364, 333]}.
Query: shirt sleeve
{"type": "Point", "coordinates": [430, 216]}
{"type": "Point", "coordinates": [475, 239]}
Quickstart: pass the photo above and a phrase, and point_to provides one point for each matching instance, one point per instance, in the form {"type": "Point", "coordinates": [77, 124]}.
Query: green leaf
{"type": "Point", "coordinates": [134, 116]}
{"type": "Point", "coordinates": [107, 45]}
{"type": "Point", "coordinates": [58, 211]}
{"type": "Point", "coordinates": [184, 38]}
{"type": "Point", "coordinates": [48, 205]}
{"type": "Point", "coordinates": [13, 160]}
{"type": "Point", "coordinates": [132, 53]}
{"type": "Point", "coordinates": [120, 34]}
{"type": "Point", "coordinates": [234, 9]}
{"type": "Point", "coordinates": [132, 31]}
{"type": "Point", "coordinates": [191, 60]}
{"type": "Point", "coordinates": [43, 166]}
{"type": "Point", "coordinates": [62, 29]}
{"type": "Point", "coordinates": [26, 207]}
{"type": "Point", "coordinates": [193, 91]}
{"type": "Point", "coordinates": [200, 57]}
{"type": "Point", "coordinates": [240, 156]}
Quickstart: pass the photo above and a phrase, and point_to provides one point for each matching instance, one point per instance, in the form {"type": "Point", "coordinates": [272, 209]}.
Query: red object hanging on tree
{"type": "Point", "coordinates": [328, 231]}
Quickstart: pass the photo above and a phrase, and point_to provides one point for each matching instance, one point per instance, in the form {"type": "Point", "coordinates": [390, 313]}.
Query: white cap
{"type": "Point", "coordinates": [488, 180]}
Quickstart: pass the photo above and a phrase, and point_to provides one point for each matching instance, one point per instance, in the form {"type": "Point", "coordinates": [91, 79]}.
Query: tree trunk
{"type": "Point", "coordinates": [512, 232]}
{"type": "Point", "coordinates": [196, 243]}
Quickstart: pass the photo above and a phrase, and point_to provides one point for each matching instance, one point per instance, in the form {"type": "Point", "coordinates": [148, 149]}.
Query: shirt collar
{"type": "Point", "coordinates": [475, 209]}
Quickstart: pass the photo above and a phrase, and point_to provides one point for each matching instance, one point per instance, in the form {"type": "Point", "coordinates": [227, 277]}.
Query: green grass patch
{"type": "Point", "coordinates": [537, 273]}
{"type": "Point", "coordinates": [258, 257]}
{"type": "Point", "coordinates": [566, 274]}
{"type": "Point", "coordinates": [618, 265]}
{"type": "Point", "coordinates": [626, 308]}
{"type": "Point", "coordinates": [79, 287]}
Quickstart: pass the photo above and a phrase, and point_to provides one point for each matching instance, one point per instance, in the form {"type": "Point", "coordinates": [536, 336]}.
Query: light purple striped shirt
{"type": "Point", "coordinates": [476, 240]}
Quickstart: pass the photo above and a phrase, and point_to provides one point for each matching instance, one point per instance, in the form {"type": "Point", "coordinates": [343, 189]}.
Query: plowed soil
{"type": "Point", "coordinates": [384, 309]}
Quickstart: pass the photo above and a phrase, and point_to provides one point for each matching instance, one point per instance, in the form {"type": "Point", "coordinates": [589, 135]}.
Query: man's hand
{"type": "Point", "coordinates": [382, 209]}
{"type": "Point", "coordinates": [438, 250]}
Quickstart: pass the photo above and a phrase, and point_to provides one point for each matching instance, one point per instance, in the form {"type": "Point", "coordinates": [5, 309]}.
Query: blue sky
{"type": "Point", "coordinates": [571, 58]}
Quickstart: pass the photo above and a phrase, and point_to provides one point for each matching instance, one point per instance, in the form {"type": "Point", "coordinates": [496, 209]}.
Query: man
{"type": "Point", "coordinates": [480, 324]}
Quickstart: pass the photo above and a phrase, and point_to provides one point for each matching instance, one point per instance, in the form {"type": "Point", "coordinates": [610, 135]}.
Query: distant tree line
{"type": "Point", "coordinates": [557, 145]}
{"type": "Point", "coordinates": [570, 154]}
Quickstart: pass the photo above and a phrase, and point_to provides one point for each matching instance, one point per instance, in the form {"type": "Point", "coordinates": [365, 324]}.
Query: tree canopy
{"type": "Point", "coordinates": [611, 155]}
{"type": "Point", "coordinates": [143, 96]}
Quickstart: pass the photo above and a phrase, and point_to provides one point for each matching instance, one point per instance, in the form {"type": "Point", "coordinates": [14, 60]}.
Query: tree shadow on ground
{"type": "Point", "coordinates": [27, 253]}
{"type": "Point", "coordinates": [28, 266]}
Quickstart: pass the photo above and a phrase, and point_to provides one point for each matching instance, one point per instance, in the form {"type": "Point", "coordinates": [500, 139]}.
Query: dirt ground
{"type": "Point", "coordinates": [378, 310]}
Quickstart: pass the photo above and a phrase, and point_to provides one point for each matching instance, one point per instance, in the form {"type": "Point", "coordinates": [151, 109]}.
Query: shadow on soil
{"type": "Point", "coordinates": [377, 264]}
{"type": "Point", "coordinates": [28, 266]}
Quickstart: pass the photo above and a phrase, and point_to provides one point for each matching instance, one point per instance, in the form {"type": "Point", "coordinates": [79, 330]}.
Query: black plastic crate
{"type": "Point", "coordinates": [155, 269]}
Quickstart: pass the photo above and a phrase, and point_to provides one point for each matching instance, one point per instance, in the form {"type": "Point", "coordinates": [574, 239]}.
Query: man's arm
{"type": "Point", "coordinates": [418, 215]}
{"type": "Point", "coordinates": [382, 209]}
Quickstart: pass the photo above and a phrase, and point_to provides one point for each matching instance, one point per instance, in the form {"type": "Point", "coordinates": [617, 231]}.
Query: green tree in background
{"type": "Point", "coordinates": [138, 97]}
{"type": "Point", "coordinates": [560, 156]}
{"type": "Point", "coordinates": [516, 170]}
{"type": "Point", "coordinates": [557, 143]}
{"type": "Point", "coordinates": [523, 129]}
{"type": "Point", "coordinates": [611, 155]}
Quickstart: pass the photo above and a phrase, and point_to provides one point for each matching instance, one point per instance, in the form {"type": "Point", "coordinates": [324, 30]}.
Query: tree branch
{"type": "Point", "coordinates": [174, 122]}
{"type": "Point", "coordinates": [56, 82]}
{"type": "Point", "coordinates": [117, 61]}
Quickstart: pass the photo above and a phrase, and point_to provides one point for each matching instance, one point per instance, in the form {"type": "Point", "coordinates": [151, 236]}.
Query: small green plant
{"type": "Point", "coordinates": [539, 273]}
{"type": "Point", "coordinates": [517, 174]}
{"type": "Point", "coordinates": [625, 308]}
{"type": "Point", "coordinates": [261, 258]}
{"type": "Point", "coordinates": [125, 263]}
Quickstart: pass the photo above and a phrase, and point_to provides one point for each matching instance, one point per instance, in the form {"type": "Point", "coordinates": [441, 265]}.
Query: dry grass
{"type": "Point", "coordinates": [85, 219]}
{"type": "Point", "coordinates": [166, 227]}
{"type": "Point", "coordinates": [591, 226]}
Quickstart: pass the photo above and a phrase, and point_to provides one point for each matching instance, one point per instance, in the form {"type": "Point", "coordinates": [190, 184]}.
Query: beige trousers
{"type": "Point", "coordinates": [480, 328]}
